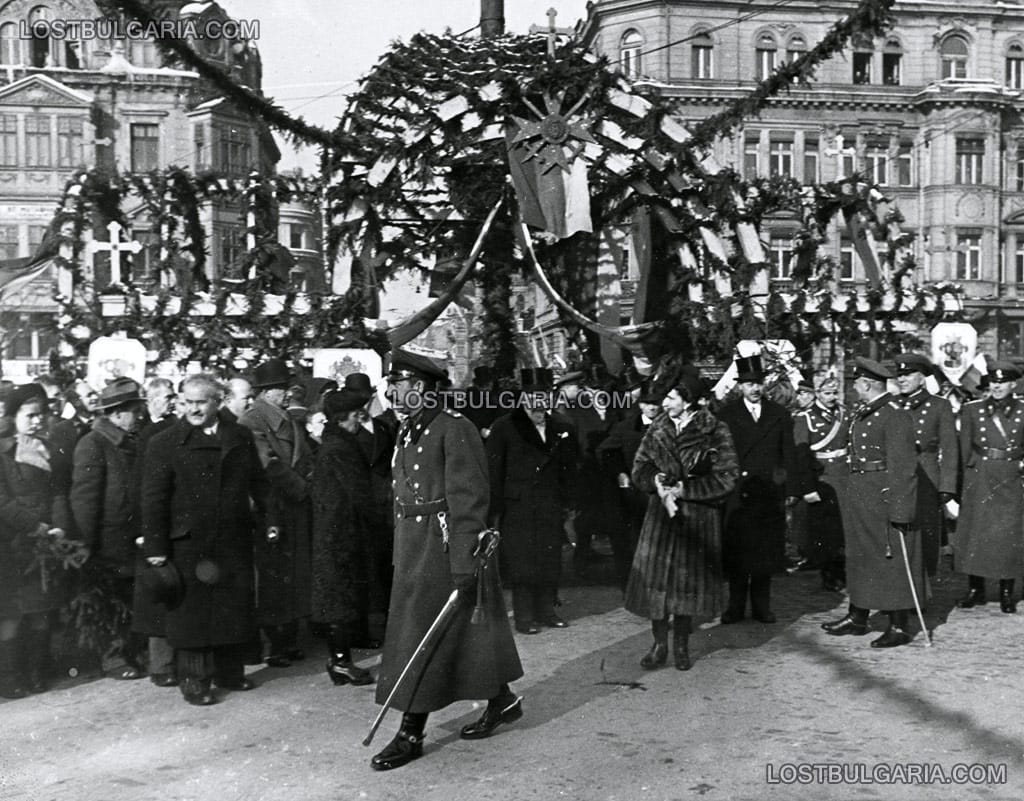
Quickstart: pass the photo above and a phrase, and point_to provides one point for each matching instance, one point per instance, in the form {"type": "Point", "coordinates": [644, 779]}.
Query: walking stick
{"type": "Point", "coordinates": [913, 590]}
{"type": "Point", "coordinates": [440, 622]}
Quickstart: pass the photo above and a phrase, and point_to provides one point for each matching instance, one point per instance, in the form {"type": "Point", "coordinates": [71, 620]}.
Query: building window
{"type": "Point", "coordinates": [847, 260]}
{"type": "Point", "coordinates": [1018, 262]}
{"type": "Point", "coordinates": [847, 162]}
{"type": "Point", "coordinates": [876, 164]}
{"type": "Point", "coordinates": [953, 57]}
{"type": "Point", "coordinates": [781, 257]}
{"type": "Point", "coordinates": [10, 44]}
{"type": "Point", "coordinates": [892, 60]}
{"type": "Point", "coordinates": [235, 151]}
{"type": "Point", "coordinates": [231, 252]}
{"type": "Point", "coordinates": [765, 55]}
{"type": "Point", "coordinates": [970, 155]}
{"type": "Point", "coordinates": [39, 41]}
{"type": "Point", "coordinates": [629, 53]}
{"type": "Point", "coordinates": [702, 54]}
{"type": "Point", "coordinates": [8, 140]}
{"type": "Point", "coordinates": [296, 236]}
{"type": "Point", "coordinates": [37, 141]}
{"type": "Point", "coordinates": [143, 53]}
{"type": "Point", "coordinates": [780, 158]}
{"type": "Point", "coordinates": [69, 142]}
{"type": "Point", "coordinates": [1011, 339]}
{"type": "Point", "coordinates": [8, 241]}
{"type": "Point", "coordinates": [810, 162]}
{"type": "Point", "coordinates": [862, 67]}
{"type": "Point", "coordinates": [751, 145]}
{"type": "Point", "coordinates": [145, 139]}
{"type": "Point", "coordinates": [796, 46]}
{"type": "Point", "coordinates": [1015, 66]}
{"type": "Point", "coordinates": [1020, 167]}
{"type": "Point", "coordinates": [968, 257]}
{"type": "Point", "coordinates": [905, 165]}
{"type": "Point", "coordinates": [202, 146]}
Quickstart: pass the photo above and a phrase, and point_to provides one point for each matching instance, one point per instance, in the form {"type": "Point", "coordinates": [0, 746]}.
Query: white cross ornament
{"type": "Point", "coordinates": [115, 247]}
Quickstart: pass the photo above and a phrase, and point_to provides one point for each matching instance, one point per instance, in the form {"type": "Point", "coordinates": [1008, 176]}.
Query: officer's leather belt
{"type": "Point", "coordinates": [867, 465]}
{"type": "Point", "coordinates": [998, 453]}
{"type": "Point", "coordinates": [831, 454]}
{"type": "Point", "coordinates": [422, 509]}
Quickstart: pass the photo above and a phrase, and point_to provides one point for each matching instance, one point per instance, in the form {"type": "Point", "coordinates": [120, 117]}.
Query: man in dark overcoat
{"type": "Point", "coordinates": [105, 504]}
{"type": "Point", "coordinates": [938, 451]}
{"type": "Point", "coordinates": [376, 438]}
{"type": "Point", "coordinates": [988, 542]}
{"type": "Point", "coordinates": [148, 614]}
{"type": "Point", "coordinates": [283, 557]}
{"type": "Point", "coordinates": [441, 499]}
{"type": "Point", "coordinates": [753, 545]}
{"type": "Point", "coordinates": [617, 453]}
{"type": "Point", "coordinates": [202, 494]}
{"type": "Point", "coordinates": [820, 433]}
{"type": "Point", "coordinates": [879, 511]}
{"type": "Point", "coordinates": [532, 458]}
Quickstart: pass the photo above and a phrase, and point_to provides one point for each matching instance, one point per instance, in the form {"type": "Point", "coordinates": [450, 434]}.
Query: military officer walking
{"type": "Point", "coordinates": [937, 451]}
{"type": "Point", "coordinates": [879, 508]}
{"type": "Point", "coordinates": [988, 542]}
{"type": "Point", "coordinates": [442, 494]}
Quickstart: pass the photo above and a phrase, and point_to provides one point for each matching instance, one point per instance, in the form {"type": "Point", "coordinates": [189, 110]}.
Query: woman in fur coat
{"type": "Point", "coordinates": [687, 464]}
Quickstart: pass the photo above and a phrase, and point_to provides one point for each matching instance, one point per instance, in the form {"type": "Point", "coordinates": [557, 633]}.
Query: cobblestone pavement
{"type": "Point", "coordinates": [759, 700]}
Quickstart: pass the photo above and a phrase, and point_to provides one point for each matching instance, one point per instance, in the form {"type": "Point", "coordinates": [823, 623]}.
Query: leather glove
{"type": "Point", "coordinates": [464, 582]}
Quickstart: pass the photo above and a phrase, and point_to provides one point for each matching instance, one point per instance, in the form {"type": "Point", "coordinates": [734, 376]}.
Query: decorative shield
{"type": "Point", "coordinates": [954, 346]}
{"type": "Point", "coordinates": [111, 358]}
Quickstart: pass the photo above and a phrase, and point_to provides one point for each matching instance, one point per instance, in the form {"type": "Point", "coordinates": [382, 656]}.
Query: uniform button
{"type": "Point", "coordinates": [426, 431]}
{"type": "Point", "coordinates": [419, 449]}
{"type": "Point", "coordinates": [744, 473]}
{"type": "Point", "coordinates": [419, 518]}
{"type": "Point", "coordinates": [415, 467]}
{"type": "Point", "coordinates": [417, 485]}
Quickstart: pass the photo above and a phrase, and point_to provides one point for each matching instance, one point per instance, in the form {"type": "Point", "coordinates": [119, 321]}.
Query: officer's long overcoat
{"type": "Point", "coordinates": [440, 458]}
{"type": "Point", "coordinates": [881, 490]}
{"type": "Point", "coordinates": [988, 540]}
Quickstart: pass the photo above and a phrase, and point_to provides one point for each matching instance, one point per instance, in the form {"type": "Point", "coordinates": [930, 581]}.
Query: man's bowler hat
{"type": "Point", "coordinates": [272, 373]}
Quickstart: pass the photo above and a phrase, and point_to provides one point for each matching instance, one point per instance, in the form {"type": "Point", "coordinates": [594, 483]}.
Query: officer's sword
{"type": "Point", "coordinates": [913, 590]}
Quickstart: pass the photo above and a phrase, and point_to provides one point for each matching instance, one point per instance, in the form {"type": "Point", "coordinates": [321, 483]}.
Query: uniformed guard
{"type": "Point", "coordinates": [820, 433]}
{"type": "Point", "coordinates": [879, 509]}
{"type": "Point", "coordinates": [987, 543]}
{"type": "Point", "coordinates": [442, 494]}
{"type": "Point", "coordinates": [937, 451]}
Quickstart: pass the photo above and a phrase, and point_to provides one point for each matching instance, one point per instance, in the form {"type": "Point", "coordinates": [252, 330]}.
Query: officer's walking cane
{"type": "Point", "coordinates": [913, 590]}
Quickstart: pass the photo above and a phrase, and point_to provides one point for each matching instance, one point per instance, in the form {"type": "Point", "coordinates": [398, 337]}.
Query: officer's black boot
{"type": "Point", "coordinates": [975, 594]}
{"type": "Point", "coordinates": [38, 660]}
{"type": "Point", "coordinates": [896, 634]}
{"type": "Point", "coordinates": [659, 651]}
{"type": "Point", "coordinates": [12, 681]}
{"type": "Point", "coordinates": [855, 622]}
{"type": "Point", "coordinates": [681, 641]}
{"type": "Point", "coordinates": [406, 746]}
{"type": "Point", "coordinates": [1006, 602]}
{"type": "Point", "coordinates": [505, 707]}
{"type": "Point", "coordinates": [340, 667]}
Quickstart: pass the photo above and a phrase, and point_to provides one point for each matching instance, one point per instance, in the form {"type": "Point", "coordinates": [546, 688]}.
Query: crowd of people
{"type": "Point", "coordinates": [226, 513]}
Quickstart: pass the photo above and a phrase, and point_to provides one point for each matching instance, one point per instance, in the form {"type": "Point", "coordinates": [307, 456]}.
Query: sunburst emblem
{"type": "Point", "coordinates": [548, 138]}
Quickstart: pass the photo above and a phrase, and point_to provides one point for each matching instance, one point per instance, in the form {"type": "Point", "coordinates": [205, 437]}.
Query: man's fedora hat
{"type": "Point", "coordinates": [272, 373]}
{"type": "Point", "coordinates": [359, 383]}
{"type": "Point", "coordinates": [119, 392]}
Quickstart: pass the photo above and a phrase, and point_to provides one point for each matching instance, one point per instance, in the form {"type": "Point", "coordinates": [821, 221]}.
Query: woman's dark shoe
{"type": "Point", "coordinates": [493, 716]}
{"type": "Point", "coordinates": [197, 692]}
{"type": "Point", "coordinates": [973, 598]}
{"type": "Point", "coordinates": [527, 628]}
{"type": "Point", "coordinates": [846, 625]}
{"type": "Point", "coordinates": [164, 679]}
{"type": "Point", "coordinates": [127, 673]}
{"type": "Point", "coordinates": [403, 749]}
{"type": "Point", "coordinates": [731, 616]}
{"type": "Point", "coordinates": [236, 685]}
{"type": "Point", "coordinates": [656, 657]}
{"type": "Point", "coordinates": [278, 661]}
{"type": "Point", "coordinates": [554, 622]}
{"type": "Point", "coordinates": [342, 670]}
{"type": "Point", "coordinates": [12, 689]}
{"type": "Point", "coordinates": [892, 638]}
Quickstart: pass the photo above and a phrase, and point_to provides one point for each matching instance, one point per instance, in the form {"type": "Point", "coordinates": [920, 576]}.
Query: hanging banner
{"type": "Point", "coordinates": [111, 358]}
{"type": "Point", "coordinates": [954, 346]}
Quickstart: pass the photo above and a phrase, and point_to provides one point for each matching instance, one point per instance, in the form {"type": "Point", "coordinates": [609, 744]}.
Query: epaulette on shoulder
{"type": "Point", "coordinates": [972, 403]}
{"type": "Point", "coordinates": [894, 405]}
{"type": "Point", "coordinates": [453, 413]}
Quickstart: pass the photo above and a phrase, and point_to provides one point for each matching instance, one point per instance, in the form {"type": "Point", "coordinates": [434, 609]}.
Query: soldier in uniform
{"type": "Point", "coordinates": [987, 543]}
{"type": "Point", "coordinates": [820, 433]}
{"type": "Point", "coordinates": [441, 500]}
{"type": "Point", "coordinates": [937, 451]}
{"type": "Point", "coordinates": [878, 509]}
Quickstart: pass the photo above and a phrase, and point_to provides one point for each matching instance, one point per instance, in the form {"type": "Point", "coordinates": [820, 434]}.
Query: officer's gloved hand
{"type": "Point", "coordinates": [464, 582]}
